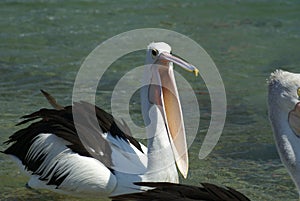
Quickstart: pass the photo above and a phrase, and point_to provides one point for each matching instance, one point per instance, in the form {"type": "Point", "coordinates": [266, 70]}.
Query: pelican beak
{"type": "Point", "coordinates": [168, 98]}
{"type": "Point", "coordinates": [294, 119]}
{"type": "Point", "coordinates": [167, 57]}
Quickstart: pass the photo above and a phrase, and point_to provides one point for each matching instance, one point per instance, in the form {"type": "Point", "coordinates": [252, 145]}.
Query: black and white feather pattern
{"type": "Point", "coordinates": [51, 151]}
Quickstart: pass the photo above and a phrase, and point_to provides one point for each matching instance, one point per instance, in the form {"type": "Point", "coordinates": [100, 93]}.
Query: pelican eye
{"type": "Point", "coordinates": [154, 52]}
{"type": "Point", "coordinates": [298, 93]}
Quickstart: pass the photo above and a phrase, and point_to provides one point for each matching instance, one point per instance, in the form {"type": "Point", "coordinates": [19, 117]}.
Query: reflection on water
{"type": "Point", "coordinates": [44, 43]}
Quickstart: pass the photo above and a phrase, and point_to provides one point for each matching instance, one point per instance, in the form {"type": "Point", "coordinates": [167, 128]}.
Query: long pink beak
{"type": "Point", "coordinates": [168, 98]}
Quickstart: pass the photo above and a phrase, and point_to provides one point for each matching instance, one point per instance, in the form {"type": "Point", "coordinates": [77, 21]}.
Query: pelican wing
{"type": "Point", "coordinates": [60, 123]}
{"type": "Point", "coordinates": [169, 191]}
{"type": "Point", "coordinates": [51, 150]}
{"type": "Point", "coordinates": [106, 122]}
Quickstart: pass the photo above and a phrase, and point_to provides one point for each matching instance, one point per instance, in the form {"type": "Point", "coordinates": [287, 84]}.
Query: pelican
{"type": "Point", "coordinates": [284, 115]}
{"type": "Point", "coordinates": [162, 191]}
{"type": "Point", "coordinates": [103, 159]}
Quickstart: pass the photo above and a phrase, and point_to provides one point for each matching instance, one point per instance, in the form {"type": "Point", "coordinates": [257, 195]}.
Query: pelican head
{"type": "Point", "coordinates": [284, 114]}
{"type": "Point", "coordinates": [161, 92]}
{"type": "Point", "coordinates": [160, 53]}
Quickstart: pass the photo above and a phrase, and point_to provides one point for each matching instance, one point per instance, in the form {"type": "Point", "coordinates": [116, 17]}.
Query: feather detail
{"type": "Point", "coordinates": [52, 100]}
{"type": "Point", "coordinates": [161, 191]}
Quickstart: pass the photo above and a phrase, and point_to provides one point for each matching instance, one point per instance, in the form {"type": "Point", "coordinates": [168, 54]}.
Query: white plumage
{"type": "Point", "coordinates": [283, 99]}
{"type": "Point", "coordinates": [82, 175]}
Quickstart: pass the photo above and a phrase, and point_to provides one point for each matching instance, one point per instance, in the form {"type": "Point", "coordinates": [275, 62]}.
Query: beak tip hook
{"type": "Point", "coordinates": [196, 72]}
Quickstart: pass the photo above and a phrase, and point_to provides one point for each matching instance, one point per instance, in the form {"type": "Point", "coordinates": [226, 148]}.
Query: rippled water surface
{"type": "Point", "coordinates": [43, 44]}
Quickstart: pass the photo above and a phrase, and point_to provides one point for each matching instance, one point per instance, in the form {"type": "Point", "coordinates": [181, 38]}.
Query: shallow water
{"type": "Point", "coordinates": [43, 43]}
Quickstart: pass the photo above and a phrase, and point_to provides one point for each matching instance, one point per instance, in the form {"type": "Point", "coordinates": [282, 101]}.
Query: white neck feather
{"type": "Point", "coordinates": [286, 141]}
{"type": "Point", "coordinates": [161, 162]}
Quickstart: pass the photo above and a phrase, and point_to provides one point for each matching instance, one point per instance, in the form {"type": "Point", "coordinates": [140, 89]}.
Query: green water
{"type": "Point", "coordinates": [43, 43]}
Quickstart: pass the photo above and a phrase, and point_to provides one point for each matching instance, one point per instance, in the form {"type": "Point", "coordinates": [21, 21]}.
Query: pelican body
{"type": "Point", "coordinates": [98, 157]}
{"type": "Point", "coordinates": [284, 114]}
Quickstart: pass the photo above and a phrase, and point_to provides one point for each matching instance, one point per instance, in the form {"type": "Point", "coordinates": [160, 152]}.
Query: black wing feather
{"type": "Point", "coordinates": [179, 192]}
{"type": "Point", "coordinates": [61, 123]}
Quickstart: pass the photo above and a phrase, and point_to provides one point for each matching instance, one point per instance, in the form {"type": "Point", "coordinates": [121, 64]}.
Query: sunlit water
{"type": "Point", "coordinates": [42, 45]}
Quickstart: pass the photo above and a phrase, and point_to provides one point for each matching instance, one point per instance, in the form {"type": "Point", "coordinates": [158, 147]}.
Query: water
{"type": "Point", "coordinates": [43, 43]}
